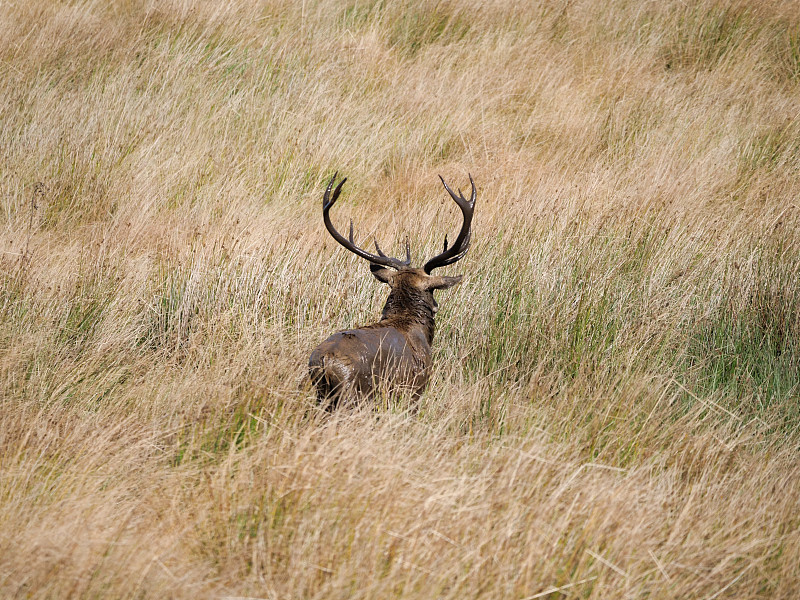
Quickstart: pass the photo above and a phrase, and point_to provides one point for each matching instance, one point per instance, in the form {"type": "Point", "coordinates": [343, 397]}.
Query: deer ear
{"type": "Point", "coordinates": [382, 274]}
{"type": "Point", "coordinates": [443, 283]}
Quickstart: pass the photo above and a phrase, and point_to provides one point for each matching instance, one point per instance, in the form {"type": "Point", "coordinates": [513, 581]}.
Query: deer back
{"type": "Point", "coordinates": [357, 362]}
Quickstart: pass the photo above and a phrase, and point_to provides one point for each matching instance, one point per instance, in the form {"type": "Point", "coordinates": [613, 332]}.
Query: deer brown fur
{"type": "Point", "coordinates": [393, 354]}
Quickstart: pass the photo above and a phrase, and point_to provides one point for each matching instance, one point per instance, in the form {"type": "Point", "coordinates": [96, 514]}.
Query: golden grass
{"type": "Point", "coordinates": [614, 411]}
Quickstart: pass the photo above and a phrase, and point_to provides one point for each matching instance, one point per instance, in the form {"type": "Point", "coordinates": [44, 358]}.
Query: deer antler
{"type": "Point", "coordinates": [380, 258]}
{"type": "Point", "coordinates": [461, 245]}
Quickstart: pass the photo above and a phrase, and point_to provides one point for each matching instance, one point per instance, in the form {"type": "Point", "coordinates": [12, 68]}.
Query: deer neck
{"type": "Point", "coordinates": [409, 313]}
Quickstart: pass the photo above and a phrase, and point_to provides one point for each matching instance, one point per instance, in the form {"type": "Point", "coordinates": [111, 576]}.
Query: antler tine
{"type": "Point", "coordinates": [474, 195]}
{"type": "Point", "coordinates": [328, 189]}
{"type": "Point", "coordinates": [405, 262]}
{"type": "Point", "coordinates": [460, 255]}
{"type": "Point", "coordinates": [327, 202]}
{"type": "Point", "coordinates": [460, 200]}
{"type": "Point", "coordinates": [459, 248]}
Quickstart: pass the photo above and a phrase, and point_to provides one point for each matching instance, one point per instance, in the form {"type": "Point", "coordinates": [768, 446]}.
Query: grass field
{"type": "Point", "coordinates": [615, 406]}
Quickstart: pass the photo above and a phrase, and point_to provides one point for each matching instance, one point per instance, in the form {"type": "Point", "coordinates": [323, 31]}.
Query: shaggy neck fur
{"type": "Point", "coordinates": [407, 307]}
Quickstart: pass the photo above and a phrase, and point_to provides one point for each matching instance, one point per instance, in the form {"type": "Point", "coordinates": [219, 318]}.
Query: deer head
{"type": "Point", "coordinates": [410, 286]}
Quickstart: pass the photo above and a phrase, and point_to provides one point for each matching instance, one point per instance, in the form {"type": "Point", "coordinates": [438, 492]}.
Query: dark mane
{"type": "Point", "coordinates": [406, 307]}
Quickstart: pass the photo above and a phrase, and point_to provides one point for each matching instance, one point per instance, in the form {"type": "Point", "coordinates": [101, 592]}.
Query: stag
{"type": "Point", "coordinates": [393, 354]}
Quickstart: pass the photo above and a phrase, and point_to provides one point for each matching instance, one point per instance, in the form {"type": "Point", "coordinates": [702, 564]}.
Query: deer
{"type": "Point", "coordinates": [393, 354]}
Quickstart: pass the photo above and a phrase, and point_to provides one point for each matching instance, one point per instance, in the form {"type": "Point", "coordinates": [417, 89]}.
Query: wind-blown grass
{"type": "Point", "coordinates": [614, 405]}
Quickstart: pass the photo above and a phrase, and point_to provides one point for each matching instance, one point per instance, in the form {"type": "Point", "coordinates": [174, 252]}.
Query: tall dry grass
{"type": "Point", "coordinates": [614, 409]}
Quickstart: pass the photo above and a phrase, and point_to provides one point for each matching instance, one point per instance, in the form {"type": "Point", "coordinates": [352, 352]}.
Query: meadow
{"type": "Point", "coordinates": [614, 410]}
